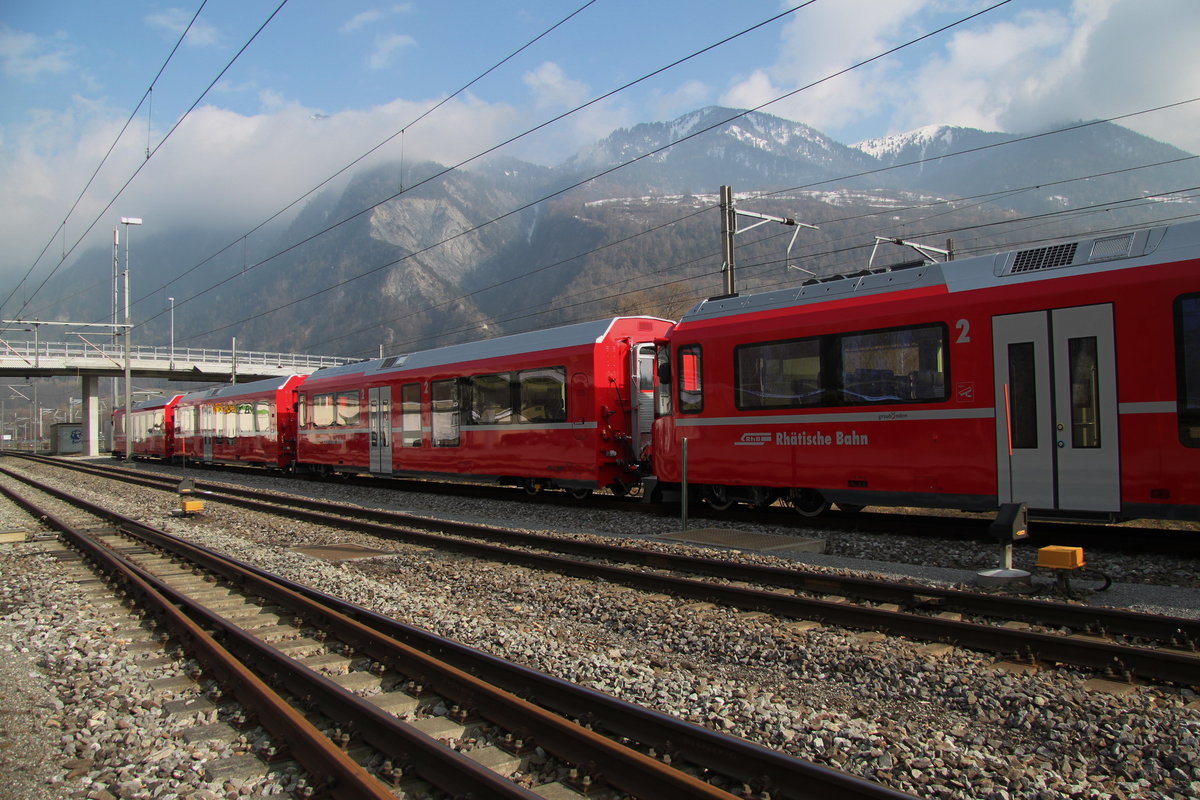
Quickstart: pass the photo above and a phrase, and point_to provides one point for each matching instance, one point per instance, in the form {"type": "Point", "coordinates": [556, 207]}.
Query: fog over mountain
{"type": "Point", "coordinates": [629, 225]}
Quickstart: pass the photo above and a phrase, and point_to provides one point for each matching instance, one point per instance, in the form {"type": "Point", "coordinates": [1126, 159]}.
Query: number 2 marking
{"type": "Point", "coordinates": [964, 331]}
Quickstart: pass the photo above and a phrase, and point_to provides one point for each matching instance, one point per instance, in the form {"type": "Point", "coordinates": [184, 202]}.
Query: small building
{"type": "Point", "coordinates": [66, 437]}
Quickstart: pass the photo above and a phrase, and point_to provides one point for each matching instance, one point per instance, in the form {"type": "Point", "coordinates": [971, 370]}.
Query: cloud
{"type": "Point", "coordinates": [226, 168]}
{"type": "Point", "coordinates": [25, 55]}
{"type": "Point", "coordinates": [688, 96]}
{"type": "Point", "coordinates": [1017, 72]}
{"type": "Point", "coordinates": [818, 42]}
{"type": "Point", "coordinates": [551, 88]}
{"type": "Point", "coordinates": [369, 17]}
{"type": "Point", "coordinates": [174, 21]}
{"type": "Point", "coordinates": [387, 46]}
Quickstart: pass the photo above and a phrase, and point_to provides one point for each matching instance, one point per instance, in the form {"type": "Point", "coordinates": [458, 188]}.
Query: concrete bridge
{"type": "Point", "coordinates": [90, 361]}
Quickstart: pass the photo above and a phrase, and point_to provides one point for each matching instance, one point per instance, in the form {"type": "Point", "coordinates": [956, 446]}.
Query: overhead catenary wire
{"type": "Point", "coordinates": [374, 149]}
{"type": "Point", "coordinates": [715, 255]}
{"type": "Point", "coordinates": [601, 174]}
{"type": "Point", "coordinates": [157, 147]}
{"type": "Point", "coordinates": [61, 229]}
{"type": "Point", "coordinates": [487, 152]}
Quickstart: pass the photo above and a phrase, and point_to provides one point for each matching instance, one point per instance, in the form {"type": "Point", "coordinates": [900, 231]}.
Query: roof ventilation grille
{"type": "Point", "coordinates": [1111, 247]}
{"type": "Point", "coordinates": [1058, 255]}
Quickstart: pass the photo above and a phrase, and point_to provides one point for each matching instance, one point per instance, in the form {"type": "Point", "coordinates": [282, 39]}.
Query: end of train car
{"type": "Point", "coordinates": [150, 432]}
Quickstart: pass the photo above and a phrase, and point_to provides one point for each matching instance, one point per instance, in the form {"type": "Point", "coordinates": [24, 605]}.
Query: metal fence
{"type": "Point", "coordinates": [32, 354]}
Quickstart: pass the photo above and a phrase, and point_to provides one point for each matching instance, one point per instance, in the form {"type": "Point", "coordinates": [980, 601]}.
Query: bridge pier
{"type": "Point", "coordinates": [90, 393]}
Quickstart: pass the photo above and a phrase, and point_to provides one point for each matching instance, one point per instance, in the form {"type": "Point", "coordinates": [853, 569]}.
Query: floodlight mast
{"type": "Point", "coordinates": [729, 229]}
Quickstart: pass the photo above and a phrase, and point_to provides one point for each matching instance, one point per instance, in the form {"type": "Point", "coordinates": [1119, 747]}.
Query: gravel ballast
{"type": "Point", "coordinates": [884, 708]}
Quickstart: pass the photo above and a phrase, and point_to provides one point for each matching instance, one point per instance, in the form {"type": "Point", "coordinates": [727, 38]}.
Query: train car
{"type": "Point", "coordinates": [248, 423]}
{"type": "Point", "coordinates": [560, 408]}
{"type": "Point", "coordinates": [1065, 377]}
{"type": "Point", "coordinates": [151, 428]}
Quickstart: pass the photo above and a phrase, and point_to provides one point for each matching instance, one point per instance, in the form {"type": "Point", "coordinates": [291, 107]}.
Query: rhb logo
{"type": "Point", "coordinates": [754, 439]}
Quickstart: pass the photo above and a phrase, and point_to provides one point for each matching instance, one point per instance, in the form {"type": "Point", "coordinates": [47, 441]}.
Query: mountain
{"type": "Point", "coordinates": [416, 258]}
{"type": "Point", "coordinates": [1081, 167]}
{"type": "Point", "coordinates": [704, 149]}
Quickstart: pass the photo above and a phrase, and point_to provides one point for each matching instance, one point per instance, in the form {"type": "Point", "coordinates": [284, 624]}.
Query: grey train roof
{"type": "Point", "coordinates": [148, 403]}
{"type": "Point", "coordinates": [577, 334]}
{"type": "Point", "coordinates": [1078, 257]}
{"type": "Point", "coordinates": [234, 389]}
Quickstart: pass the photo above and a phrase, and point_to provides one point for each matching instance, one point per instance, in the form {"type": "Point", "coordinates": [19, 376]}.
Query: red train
{"type": "Point", "coordinates": [1066, 377]}
{"type": "Point", "coordinates": [565, 408]}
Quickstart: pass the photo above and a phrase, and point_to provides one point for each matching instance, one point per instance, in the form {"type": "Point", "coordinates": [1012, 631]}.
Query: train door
{"type": "Point", "coordinates": [208, 430]}
{"type": "Point", "coordinates": [642, 382]}
{"type": "Point", "coordinates": [1056, 401]}
{"type": "Point", "coordinates": [379, 424]}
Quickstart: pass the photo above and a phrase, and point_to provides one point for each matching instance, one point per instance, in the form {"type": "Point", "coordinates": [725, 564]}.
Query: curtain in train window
{"type": "Point", "coordinates": [229, 420]}
{"type": "Point", "coordinates": [778, 374]}
{"type": "Point", "coordinates": [321, 409]}
{"type": "Point", "coordinates": [410, 415]}
{"type": "Point", "coordinates": [245, 417]}
{"type": "Point", "coordinates": [1187, 357]}
{"type": "Point", "coordinates": [895, 366]}
{"type": "Point", "coordinates": [264, 417]}
{"type": "Point", "coordinates": [491, 399]}
{"type": "Point", "coordinates": [348, 409]}
{"type": "Point", "coordinates": [445, 406]}
{"type": "Point", "coordinates": [542, 395]}
{"type": "Point", "coordinates": [691, 380]}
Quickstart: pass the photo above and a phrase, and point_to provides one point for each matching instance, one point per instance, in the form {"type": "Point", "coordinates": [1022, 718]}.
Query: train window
{"type": "Point", "coordinates": [1187, 355]}
{"type": "Point", "coordinates": [662, 386]}
{"type": "Point", "coordinates": [410, 414]}
{"type": "Point", "coordinates": [245, 417]}
{"type": "Point", "coordinates": [264, 417]}
{"type": "Point", "coordinates": [778, 374]}
{"type": "Point", "coordinates": [302, 410]}
{"type": "Point", "coordinates": [348, 409]}
{"type": "Point", "coordinates": [542, 395]}
{"type": "Point", "coordinates": [491, 399]}
{"type": "Point", "coordinates": [322, 410]}
{"type": "Point", "coordinates": [893, 366]}
{"type": "Point", "coordinates": [1085, 392]}
{"type": "Point", "coordinates": [444, 398]}
{"type": "Point", "coordinates": [691, 380]}
{"type": "Point", "coordinates": [1022, 399]}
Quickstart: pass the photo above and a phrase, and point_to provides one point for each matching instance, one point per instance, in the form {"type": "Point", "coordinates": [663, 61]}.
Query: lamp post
{"type": "Point", "coordinates": [172, 301]}
{"type": "Point", "coordinates": [127, 221]}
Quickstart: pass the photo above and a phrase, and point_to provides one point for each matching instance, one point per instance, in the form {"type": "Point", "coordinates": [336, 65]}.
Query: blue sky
{"type": "Point", "coordinates": [325, 81]}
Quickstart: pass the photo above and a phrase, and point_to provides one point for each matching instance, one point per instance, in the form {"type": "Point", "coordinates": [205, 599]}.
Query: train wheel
{"type": "Point", "coordinates": [580, 494]}
{"type": "Point", "coordinates": [718, 498]}
{"type": "Point", "coordinates": [808, 502]}
{"type": "Point", "coordinates": [849, 508]}
{"type": "Point", "coordinates": [534, 487]}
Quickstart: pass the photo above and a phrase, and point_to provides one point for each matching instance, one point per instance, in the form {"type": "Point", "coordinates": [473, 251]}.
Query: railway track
{"type": "Point", "coordinates": [294, 658]}
{"type": "Point", "coordinates": [1115, 644]}
{"type": "Point", "coordinates": [1124, 538]}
